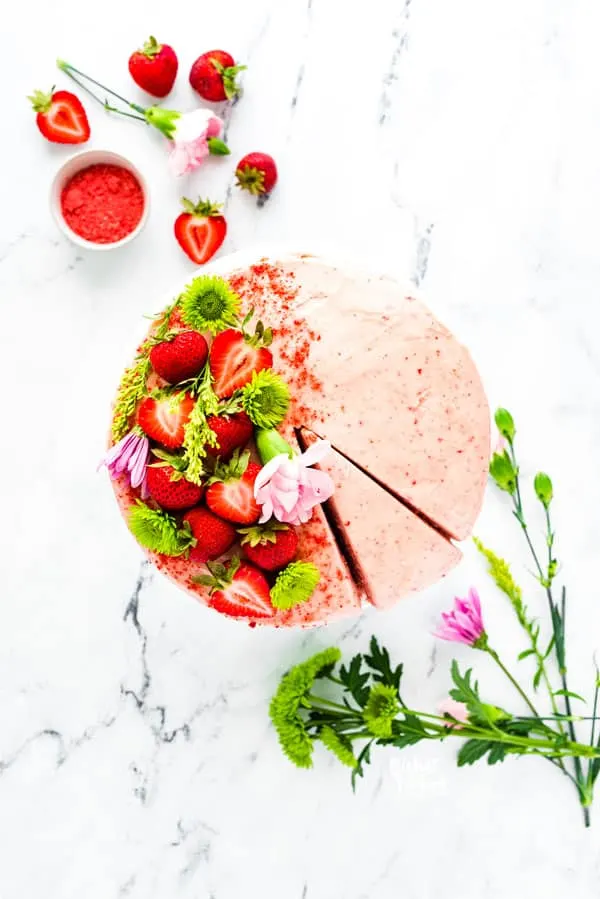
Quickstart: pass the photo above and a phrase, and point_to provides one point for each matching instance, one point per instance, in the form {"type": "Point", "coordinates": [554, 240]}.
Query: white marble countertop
{"type": "Point", "coordinates": [457, 143]}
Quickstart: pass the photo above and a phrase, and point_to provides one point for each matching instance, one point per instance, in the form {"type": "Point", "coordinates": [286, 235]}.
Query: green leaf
{"type": "Point", "coordinates": [570, 694]}
{"type": "Point", "coordinates": [496, 754]}
{"type": "Point", "coordinates": [525, 653]}
{"type": "Point", "coordinates": [355, 680]}
{"type": "Point", "coordinates": [364, 758]}
{"type": "Point", "coordinates": [471, 751]}
{"type": "Point", "coordinates": [218, 147]}
{"type": "Point", "coordinates": [379, 662]}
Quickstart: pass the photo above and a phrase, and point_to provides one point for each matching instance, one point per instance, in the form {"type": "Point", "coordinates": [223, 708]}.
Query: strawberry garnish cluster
{"type": "Point", "coordinates": [195, 433]}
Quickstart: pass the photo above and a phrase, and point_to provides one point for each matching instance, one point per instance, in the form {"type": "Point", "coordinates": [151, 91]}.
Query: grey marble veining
{"type": "Point", "coordinates": [453, 144]}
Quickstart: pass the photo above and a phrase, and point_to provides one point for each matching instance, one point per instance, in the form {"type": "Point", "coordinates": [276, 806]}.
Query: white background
{"type": "Point", "coordinates": [456, 143]}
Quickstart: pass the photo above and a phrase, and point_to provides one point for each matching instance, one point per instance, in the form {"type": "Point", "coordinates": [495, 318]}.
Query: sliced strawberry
{"type": "Point", "coordinates": [231, 491]}
{"type": "Point", "coordinates": [238, 589]}
{"type": "Point", "coordinates": [164, 419]}
{"type": "Point", "coordinates": [61, 117]}
{"type": "Point", "coordinates": [235, 355]}
{"type": "Point", "coordinates": [180, 357]}
{"type": "Point", "coordinates": [213, 536]}
{"type": "Point", "coordinates": [233, 432]}
{"type": "Point", "coordinates": [170, 489]}
{"type": "Point", "coordinates": [200, 230]}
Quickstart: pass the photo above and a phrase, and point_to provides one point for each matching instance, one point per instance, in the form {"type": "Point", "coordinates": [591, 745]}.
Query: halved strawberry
{"type": "Point", "coordinates": [230, 494]}
{"type": "Point", "coordinates": [233, 431]}
{"type": "Point", "coordinates": [271, 546]}
{"type": "Point", "coordinates": [61, 117]}
{"type": "Point", "coordinates": [180, 356]}
{"type": "Point", "coordinates": [213, 536]}
{"type": "Point", "coordinates": [235, 355]}
{"type": "Point", "coordinates": [200, 230]}
{"type": "Point", "coordinates": [238, 589]}
{"type": "Point", "coordinates": [164, 418]}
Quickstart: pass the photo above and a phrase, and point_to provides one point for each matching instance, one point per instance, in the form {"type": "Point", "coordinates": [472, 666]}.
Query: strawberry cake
{"type": "Point", "coordinates": [294, 440]}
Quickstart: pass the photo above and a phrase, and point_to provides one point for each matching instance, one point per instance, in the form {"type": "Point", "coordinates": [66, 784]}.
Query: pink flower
{"type": "Point", "coordinates": [464, 623]}
{"type": "Point", "coordinates": [129, 456]}
{"type": "Point", "coordinates": [190, 137]}
{"type": "Point", "coordinates": [454, 709]}
{"type": "Point", "coordinates": [289, 489]}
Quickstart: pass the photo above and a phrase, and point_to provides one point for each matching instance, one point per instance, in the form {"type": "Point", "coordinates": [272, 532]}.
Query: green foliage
{"type": "Point", "coordinates": [339, 745]}
{"type": "Point", "coordinates": [505, 424]}
{"type": "Point", "coordinates": [158, 531]}
{"type": "Point", "coordinates": [209, 304]}
{"type": "Point", "coordinates": [381, 708]}
{"type": "Point", "coordinates": [266, 399]}
{"type": "Point", "coordinates": [295, 584]}
{"type": "Point", "coordinates": [503, 472]}
{"type": "Point", "coordinates": [379, 662]}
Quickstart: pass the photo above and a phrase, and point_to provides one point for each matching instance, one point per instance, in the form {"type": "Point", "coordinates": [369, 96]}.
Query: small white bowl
{"type": "Point", "coordinates": [82, 161]}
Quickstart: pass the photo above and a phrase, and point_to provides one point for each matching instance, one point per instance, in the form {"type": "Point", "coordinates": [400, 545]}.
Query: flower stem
{"type": "Point", "coordinates": [514, 682]}
{"type": "Point", "coordinates": [68, 69]}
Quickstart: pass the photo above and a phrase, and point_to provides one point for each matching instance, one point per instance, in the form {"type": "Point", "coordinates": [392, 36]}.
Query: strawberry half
{"type": "Point", "coordinates": [179, 357]}
{"type": "Point", "coordinates": [235, 355]}
{"type": "Point", "coordinates": [200, 230]}
{"type": "Point", "coordinates": [154, 67]}
{"type": "Point", "coordinates": [230, 494]}
{"type": "Point", "coordinates": [168, 486]}
{"type": "Point", "coordinates": [164, 418]}
{"type": "Point", "coordinates": [238, 589]}
{"type": "Point", "coordinates": [61, 117]}
{"type": "Point", "coordinates": [213, 536]}
{"type": "Point", "coordinates": [233, 431]}
{"type": "Point", "coordinates": [271, 546]}
{"type": "Point", "coordinates": [213, 76]}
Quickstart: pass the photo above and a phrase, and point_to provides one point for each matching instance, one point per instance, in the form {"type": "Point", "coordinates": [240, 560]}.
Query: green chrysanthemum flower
{"type": "Point", "coordinates": [295, 584]}
{"type": "Point", "coordinates": [158, 531]}
{"type": "Point", "coordinates": [339, 745]}
{"type": "Point", "coordinates": [381, 709]}
{"type": "Point", "coordinates": [209, 304]}
{"type": "Point", "coordinates": [285, 705]}
{"type": "Point", "coordinates": [266, 399]}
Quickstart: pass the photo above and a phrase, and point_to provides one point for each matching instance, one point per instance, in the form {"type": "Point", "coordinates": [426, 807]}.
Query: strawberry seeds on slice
{"type": "Point", "coordinates": [230, 494]}
{"type": "Point", "coordinates": [237, 589]}
{"type": "Point", "coordinates": [164, 418]}
{"type": "Point", "coordinates": [235, 355]}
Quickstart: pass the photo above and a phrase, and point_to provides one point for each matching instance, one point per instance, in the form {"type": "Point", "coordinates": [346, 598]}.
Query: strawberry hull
{"type": "Point", "coordinates": [370, 369]}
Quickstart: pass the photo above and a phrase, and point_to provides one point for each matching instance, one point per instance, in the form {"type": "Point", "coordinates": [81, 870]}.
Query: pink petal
{"type": "Point", "coordinates": [322, 484]}
{"type": "Point", "coordinates": [315, 453]}
{"type": "Point", "coordinates": [267, 471]}
{"type": "Point", "coordinates": [215, 127]}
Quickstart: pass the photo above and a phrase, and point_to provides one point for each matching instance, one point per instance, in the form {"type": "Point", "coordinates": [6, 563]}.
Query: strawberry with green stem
{"type": "Point", "coordinates": [237, 589]}
{"type": "Point", "coordinates": [236, 354]}
{"type": "Point", "coordinates": [61, 117]}
{"type": "Point", "coordinates": [200, 229]}
{"type": "Point", "coordinates": [230, 490]}
{"type": "Point", "coordinates": [214, 76]}
{"type": "Point", "coordinates": [154, 67]}
{"type": "Point", "coordinates": [271, 546]}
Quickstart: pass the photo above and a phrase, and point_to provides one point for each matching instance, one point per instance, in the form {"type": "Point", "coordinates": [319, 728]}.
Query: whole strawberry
{"type": "Point", "coordinates": [180, 356]}
{"type": "Point", "coordinates": [233, 432]}
{"type": "Point", "coordinates": [230, 493]}
{"type": "Point", "coordinates": [213, 536]}
{"type": "Point", "coordinates": [168, 487]}
{"type": "Point", "coordinates": [200, 230]}
{"type": "Point", "coordinates": [213, 76]}
{"type": "Point", "coordinates": [61, 117]}
{"type": "Point", "coordinates": [154, 67]}
{"type": "Point", "coordinates": [256, 173]}
{"type": "Point", "coordinates": [271, 546]}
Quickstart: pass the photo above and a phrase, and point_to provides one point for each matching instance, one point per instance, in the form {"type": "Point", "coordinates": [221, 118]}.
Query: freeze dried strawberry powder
{"type": "Point", "coordinates": [103, 203]}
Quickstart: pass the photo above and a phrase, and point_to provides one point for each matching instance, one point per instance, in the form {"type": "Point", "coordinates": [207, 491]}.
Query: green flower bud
{"type": "Point", "coordinates": [270, 443]}
{"type": "Point", "coordinates": [543, 488]}
{"type": "Point", "coordinates": [505, 424]}
{"type": "Point", "coordinates": [503, 472]}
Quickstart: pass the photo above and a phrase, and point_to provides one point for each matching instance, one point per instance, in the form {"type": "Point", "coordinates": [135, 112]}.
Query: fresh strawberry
{"type": "Point", "coordinates": [180, 356]}
{"type": "Point", "coordinates": [271, 546]}
{"type": "Point", "coordinates": [168, 486]}
{"type": "Point", "coordinates": [213, 536]}
{"type": "Point", "coordinates": [234, 355]}
{"type": "Point", "coordinates": [257, 173]}
{"type": "Point", "coordinates": [230, 494]}
{"type": "Point", "coordinates": [200, 230]}
{"type": "Point", "coordinates": [154, 67]}
{"type": "Point", "coordinates": [213, 76]}
{"type": "Point", "coordinates": [164, 418]}
{"type": "Point", "coordinates": [233, 431]}
{"type": "Point", "coordinates": [61, 117]}
{"type": "Point", "coordinates": [238, 589]}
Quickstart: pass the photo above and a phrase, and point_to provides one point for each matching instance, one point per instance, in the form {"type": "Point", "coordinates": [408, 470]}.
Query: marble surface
{"type": "Point", "coordinates": [454, 143]}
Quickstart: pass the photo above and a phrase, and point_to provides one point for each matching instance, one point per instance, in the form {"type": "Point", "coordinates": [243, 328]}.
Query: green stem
{"type": "Point", "coordinates": [68, 69]}
{"type": "Point", "coordinates": [514, 682]}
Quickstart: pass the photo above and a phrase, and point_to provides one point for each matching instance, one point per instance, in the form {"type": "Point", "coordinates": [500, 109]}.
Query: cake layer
{"type": "Point", "coordinates": [398, 553]}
